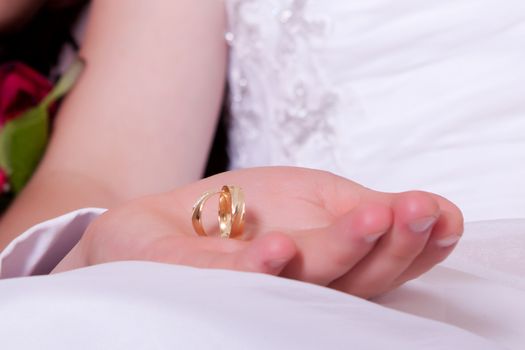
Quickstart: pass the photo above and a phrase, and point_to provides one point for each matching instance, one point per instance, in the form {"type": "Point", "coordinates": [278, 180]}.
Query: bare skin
{"type": "Point", "coordinates": [303, 224]}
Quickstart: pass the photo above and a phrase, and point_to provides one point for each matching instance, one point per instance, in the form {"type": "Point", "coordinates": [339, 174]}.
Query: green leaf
{"type": "Point", "coordinates": [65, 83]}
{"type": "Point", "coordinates": [23, 140]}
{"type": "Point", "coordinates": [22, 144]}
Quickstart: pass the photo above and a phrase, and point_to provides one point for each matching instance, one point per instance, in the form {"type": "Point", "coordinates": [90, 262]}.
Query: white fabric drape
{"type": "Point", "coordinates": [476, 300]}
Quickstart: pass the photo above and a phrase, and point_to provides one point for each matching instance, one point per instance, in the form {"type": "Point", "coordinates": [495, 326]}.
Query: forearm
{"type": "Point", "coordinates": [144, 113]}
{"type": "Point", "coordinates": [141, 117]}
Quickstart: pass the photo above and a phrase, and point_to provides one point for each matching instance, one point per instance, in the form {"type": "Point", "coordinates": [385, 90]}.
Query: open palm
{"type": "Point", "coordinates": [304, 224]}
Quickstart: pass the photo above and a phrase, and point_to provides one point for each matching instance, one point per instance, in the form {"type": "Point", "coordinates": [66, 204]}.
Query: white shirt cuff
{"type": "Point", "coordinates": [39, 249]}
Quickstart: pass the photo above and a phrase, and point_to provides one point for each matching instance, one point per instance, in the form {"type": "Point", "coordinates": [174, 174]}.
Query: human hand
{"type": "Point", "coordinates": [303, 224]}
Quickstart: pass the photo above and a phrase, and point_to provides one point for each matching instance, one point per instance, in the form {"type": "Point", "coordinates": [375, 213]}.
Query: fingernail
{"type": "Point", "coordinates": [276, 264]}
{"type": "Point", "coordinates": [374, 237]}
{"type": "Point", "coordinates": [448, 241]}
{"type": "Point", "coordinates": [422, 225]}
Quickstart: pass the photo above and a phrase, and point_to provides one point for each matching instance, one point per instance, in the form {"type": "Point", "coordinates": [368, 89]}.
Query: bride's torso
{"type": "Point", "coordinates": [395, 95]}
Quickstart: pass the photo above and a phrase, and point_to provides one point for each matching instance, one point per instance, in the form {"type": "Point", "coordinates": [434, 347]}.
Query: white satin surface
{"type": "Point", "coordinates": [38, 250]}
{"type": "Point", "coordinates": [139, 305]}
{"type": "Point", "coordinates": [475, 300]}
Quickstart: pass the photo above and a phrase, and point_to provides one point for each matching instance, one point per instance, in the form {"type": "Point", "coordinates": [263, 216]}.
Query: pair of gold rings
{"type": "Point", "coordinates": [230, 214]}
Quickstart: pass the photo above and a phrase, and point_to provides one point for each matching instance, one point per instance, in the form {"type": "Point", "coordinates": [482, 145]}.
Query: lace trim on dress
{"type": "Point", "coordinates": [278, 90]}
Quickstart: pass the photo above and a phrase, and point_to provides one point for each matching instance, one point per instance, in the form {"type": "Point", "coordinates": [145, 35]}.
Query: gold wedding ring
{"type": "Point", "coordinates": [230, 214]}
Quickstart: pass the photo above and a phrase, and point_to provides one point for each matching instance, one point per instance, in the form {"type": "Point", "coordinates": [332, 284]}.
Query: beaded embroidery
{"type": "Point", "coordinates": [276, 84]}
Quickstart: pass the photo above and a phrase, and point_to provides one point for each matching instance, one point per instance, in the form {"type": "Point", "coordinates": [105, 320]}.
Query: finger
{"type": "Point", "coordinates": [415, 213]}
{"type": "Point", "coordinates": [327, 253]}
{"type": "Point", "coordinates": [267, 254]}
{"type": "Point", "coordinates": [445, 235]}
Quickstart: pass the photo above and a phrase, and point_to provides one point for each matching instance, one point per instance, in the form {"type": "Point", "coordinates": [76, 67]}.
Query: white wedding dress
{"type": "Point", "coordinates": [394, 94]}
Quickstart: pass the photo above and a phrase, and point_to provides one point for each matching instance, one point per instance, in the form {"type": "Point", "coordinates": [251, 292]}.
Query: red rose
{"type": "Point", "coordinates": [3, 181]}
{"type": "Point", "coordinates": [21, 88]}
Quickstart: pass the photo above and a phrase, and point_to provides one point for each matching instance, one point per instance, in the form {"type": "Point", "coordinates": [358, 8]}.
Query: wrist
{"type": "Point", "coordinates": [50, 194]}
